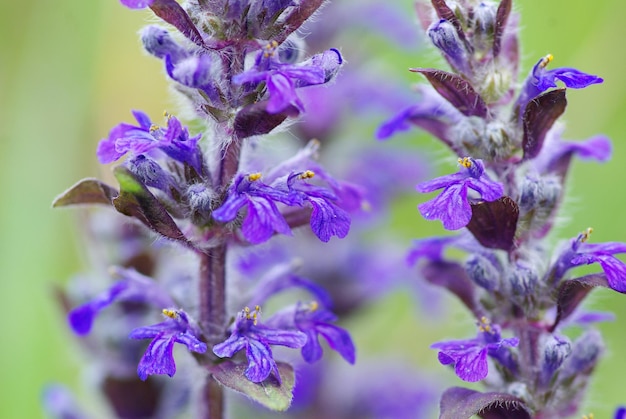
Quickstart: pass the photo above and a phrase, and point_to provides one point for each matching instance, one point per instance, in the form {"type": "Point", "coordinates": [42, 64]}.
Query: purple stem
{"type": "Point", "coordinates": [212, 321]}
{"type": "Point", "coordinates": [213, 271]}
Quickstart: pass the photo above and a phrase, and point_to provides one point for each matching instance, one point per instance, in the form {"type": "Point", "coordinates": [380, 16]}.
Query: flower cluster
{"type": "Point", "coordinates": [513, 168]}
{"type": "Point", "coordinates": [209, 197]}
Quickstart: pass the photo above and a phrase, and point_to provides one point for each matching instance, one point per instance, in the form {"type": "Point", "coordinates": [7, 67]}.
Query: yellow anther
{"type": "Point", "coordinates": [254, 176]}
{"type": "Point", "coordinates": [172, 314]}
{"type": "Point", "coordinates": [589, 416]}
{"type": "Point", "coordinates": [465, 162]}
{"type": "Point", "coordinates": [254, 316]}
{"type": "Point", "coordinates": [485, 325]}
{"type": "Point", "coordinates": [546, 60]}
{"type": "Point", "coordinates": [307, 174]}
{"type": "Point", "coordinates": [313, 306]}
{"type": "Point", "coordinates": [270, 49]}
{"type": "Point", "coordinates": [154, 127]}
{"type": "Point", "coordinates": [586, 234]}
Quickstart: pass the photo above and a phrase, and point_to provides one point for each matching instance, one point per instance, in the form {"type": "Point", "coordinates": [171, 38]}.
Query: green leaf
{"type": "Point", "coordinates": [86, 191]}
{"type": "Point", "coordinates": [135, 200]}
{"type": "Point", "coordinates": [268, 393]}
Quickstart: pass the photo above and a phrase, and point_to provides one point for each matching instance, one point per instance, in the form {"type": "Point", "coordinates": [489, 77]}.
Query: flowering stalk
{"type": "Point", "coordinates": [238, 66]}
{"type": "Point", "coordinates": [513, 165]}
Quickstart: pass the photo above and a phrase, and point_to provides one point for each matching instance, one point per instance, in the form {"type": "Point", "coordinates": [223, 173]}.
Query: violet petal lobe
{"type": "Point", "coordinates": [158, 358]}
{"type": "Point", "coordinates": [327, 219]}
{"type": "Point", "coordinates": [260, 361]}
{"type": "Point", "coordinates": [137, 4]}
{"type": "Point", "coordinates": [451, 207]}
{"type": "Point", "coordinates": [469, 358]}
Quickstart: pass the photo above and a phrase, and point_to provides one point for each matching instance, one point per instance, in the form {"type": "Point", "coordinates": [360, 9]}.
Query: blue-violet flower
{"type": "Point", "coordinates": [452, 206]}
{"type": "Point", "coordinates": [146, 137]}
{"type": "Point", "coordinates": [256, 339]}
{"type": "Point", "coordinates": [158, 358]}
{"type": "Point", "coordinates": [470, 356]}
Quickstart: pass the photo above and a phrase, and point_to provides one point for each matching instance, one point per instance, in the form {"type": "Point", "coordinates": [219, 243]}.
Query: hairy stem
{"type": "Point", "coordinates": [213, 273]}
{"type": "Point", "coordinates": [213, 321]}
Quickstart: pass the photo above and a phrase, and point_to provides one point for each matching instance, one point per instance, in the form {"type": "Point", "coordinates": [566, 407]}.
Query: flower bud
{"type": "Point", "coordinates": [484, 24]}
{"type": "Point", "coordinates": [523, 281]}
{"type": "Point", "coordinates": [482, 272]}
{"type": "Point", "coordinates": [584, 355]}
{"type": "Point", "coordinates": [158, 42]}
{"type": "Point", "coordinates": [555, 351]}
{"type": "Point", "coordinates": [151, 174]}
{"type": "Point", "coordinates": [444, 36]}
{"type": "Point", "coordinates": [201, 200]}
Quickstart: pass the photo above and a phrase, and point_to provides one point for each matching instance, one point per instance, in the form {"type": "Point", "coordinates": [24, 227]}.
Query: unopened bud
{"type": "Point", "coordinates": [444, 36]}
{"type": "Point", "coordinates": [556, 350]}
{"type": "Point", "coordinates": [482, 272]}
{"type": "Point", "coordinates": [158, 42]}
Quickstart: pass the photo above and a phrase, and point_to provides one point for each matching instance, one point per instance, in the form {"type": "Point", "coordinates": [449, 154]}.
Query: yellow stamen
{"type": "Point", "coordinates": [307, 174]}
{"type": "Point", "coordinates": [254, 176]}
{"type": "Point", "coordinates": [154, 127]}
{"type": "Point", "coordinates": [586, 234]}
{"type": "Point", "coordinates": [252, 315]}
{"type": "Point", "coordinates": [589, 416]}
{"type": "Point", "coordinates": [313, 306]}
{"type": "Point", "coordinates": [172, 314]}
{"type": "Point", "coordinates": [465, 162]}
{"type": "Point", "coordinates": [546, 60]}
{"type": "Point", "coordinates": [485, 325]}
{"type": "Point", "coordinates": [270, 49]}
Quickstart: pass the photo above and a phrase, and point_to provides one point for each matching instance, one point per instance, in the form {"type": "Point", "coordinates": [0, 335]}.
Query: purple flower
{"type": "Point", "coordinates": [433, 248]}
{"type": "Point", "coordinates": [314, 321]}
{"type": "Point", "coordinates": [432, 113]}
{"type": "Point", "coordinates": [256, 339]}
{"type": "Point", "coordinates": [263, 217]}
{"type": "Point", "coordinates": [59, 402]}
{"type": "Point", "coordinates": [541, 80]}
{"type": "Point", "coordinates": [158, 358]}
{"type": "Point", "coordinates": [602, 253]}
{"type": "Point", "coordinates": [581, 253]}
{"type": "Point", "coordinates": [146, 137]}
{"type": "Point", "coordinates": [134, 287]}
{"type": "Point", "coordinates": [556, 153]}
{"type": "Point", "coordinates": [620, 413]}
{"type": "Point", "coordinates": [327, 218]}
{"type": "Point", "coordinates": [452, 206]}
{"type": "Point", "coordinates": [282, 79]}
{"type": "Point", "coordinates": [470, 356]}
{"type": "Point", "coordinates": [137, 4]}
{"type": "Point", "coordinates": [281, 277]}
{"type": "Point", "coordinates": [187, 67]}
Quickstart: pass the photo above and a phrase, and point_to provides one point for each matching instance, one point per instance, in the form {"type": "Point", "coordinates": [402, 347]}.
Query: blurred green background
{"type": "Point", "coordinates": [71, 69]}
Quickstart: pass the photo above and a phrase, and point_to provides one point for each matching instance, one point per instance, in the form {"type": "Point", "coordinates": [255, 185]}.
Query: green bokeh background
{"type": "Point", "coordinates": [71, 69]}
